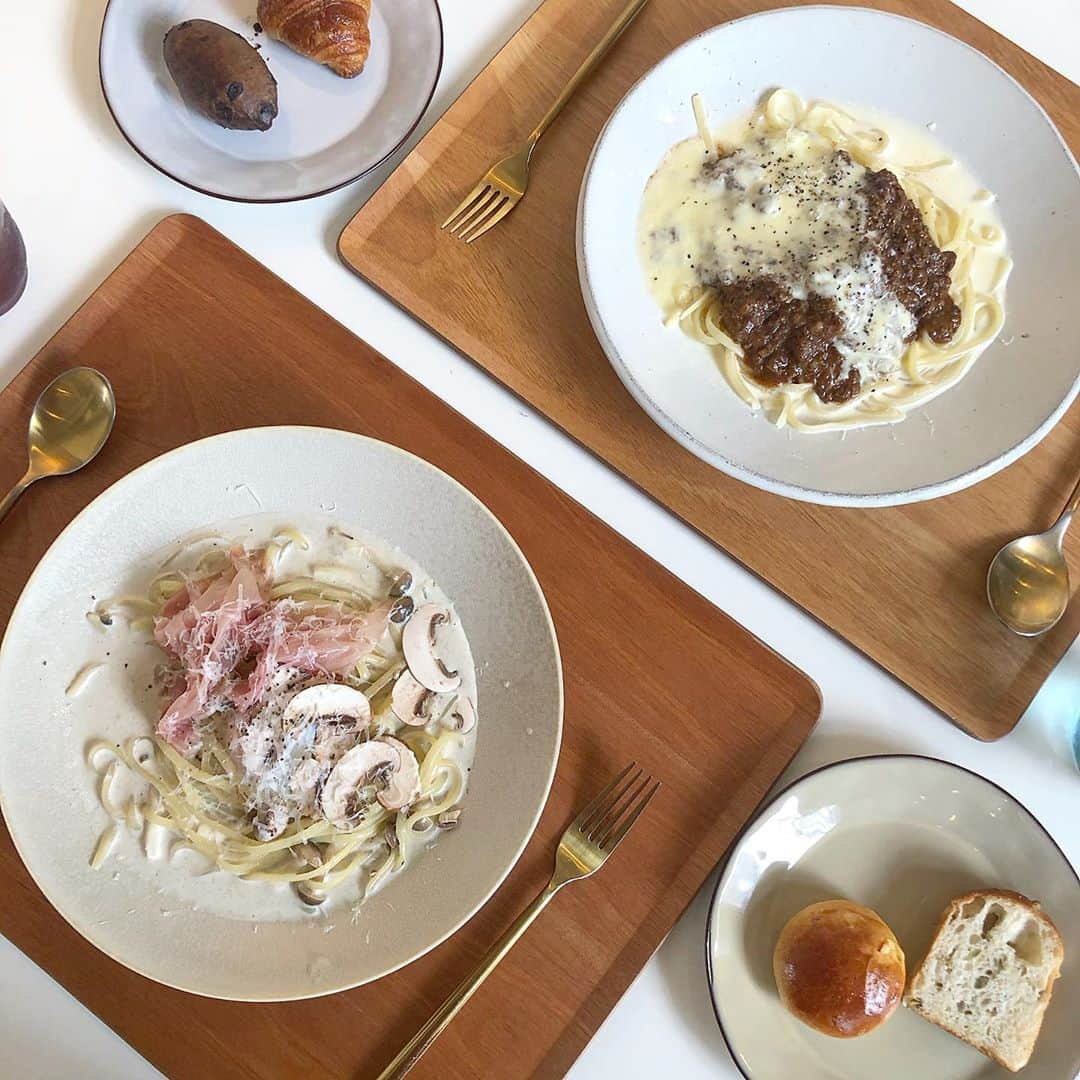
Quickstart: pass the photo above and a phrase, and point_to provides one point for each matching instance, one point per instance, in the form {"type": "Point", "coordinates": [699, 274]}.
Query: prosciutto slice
{"type": "Point", "coordinates": [228, 638]}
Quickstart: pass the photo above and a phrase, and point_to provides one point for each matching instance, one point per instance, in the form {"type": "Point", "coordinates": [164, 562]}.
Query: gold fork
{"type": "Point", "coordinates": [585, 846]}
{"type": "Point", "coordinates": [503, 185]}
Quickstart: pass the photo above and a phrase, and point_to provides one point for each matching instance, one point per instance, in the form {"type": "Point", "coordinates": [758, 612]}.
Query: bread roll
{"type": "Point", "coordinates": [839, 968]}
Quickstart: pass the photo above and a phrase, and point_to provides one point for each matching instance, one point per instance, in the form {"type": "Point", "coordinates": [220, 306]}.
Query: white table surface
{"type": "Point", "coordinates": [83, 199]}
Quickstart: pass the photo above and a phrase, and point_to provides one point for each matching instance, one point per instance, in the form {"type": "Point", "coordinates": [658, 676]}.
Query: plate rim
{"type": "Point", "coordinates": [551, 771]}
{"type": "Point", "coordinates": [271, 200]}
{"type": "Point", "coordinates": [670, 425]}
{"type": "Point", "coordinates": [766, 806]}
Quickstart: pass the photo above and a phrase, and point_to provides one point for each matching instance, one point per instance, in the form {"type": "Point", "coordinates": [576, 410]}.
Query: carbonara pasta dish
{"type": "Point", "coordinates": [841, 273]}
{"type": "Point", "coordinates": [318, 711]}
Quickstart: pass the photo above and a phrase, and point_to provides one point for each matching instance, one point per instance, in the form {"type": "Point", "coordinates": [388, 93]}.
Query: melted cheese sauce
{"type": "Point", "coordinates": [783, 206]}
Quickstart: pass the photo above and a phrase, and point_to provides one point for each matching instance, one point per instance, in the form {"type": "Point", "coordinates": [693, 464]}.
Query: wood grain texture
{"type": "Point", "coordinates": [666, 678]}
{"type": "Point", "coordinates": [904, 585]}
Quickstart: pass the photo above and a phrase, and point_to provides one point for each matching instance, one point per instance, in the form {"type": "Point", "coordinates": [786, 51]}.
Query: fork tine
{"type": "Point", "coordinates": [494, 220]}
{"type": "Point", "coordinates": [618, 806]}
{"type": "Point", "coordinates": [492, 207]}
{"type": "Point", "coordinates": [612, 840]}
{"type": "Point", "coordinates": [602, 812]}
{"type": "Point", "coordinates": [476, 212]}
{"type": "Point", "coordinates": [468, 201]}
{"type": "Point", "coordinates": [465, 204]}
{"type": "Point", "coordinates": [598, 801]}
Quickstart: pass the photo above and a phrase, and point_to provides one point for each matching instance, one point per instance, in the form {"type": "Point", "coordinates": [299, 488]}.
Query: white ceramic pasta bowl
{"type": "Point", "coordinates": [902, 835]}
{"type": "Point", "coordinates": [261, 945]}
{"type": "Point", "coordinates": [1018, 388]}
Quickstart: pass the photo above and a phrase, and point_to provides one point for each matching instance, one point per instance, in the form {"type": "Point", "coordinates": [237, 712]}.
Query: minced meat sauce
{"type": "Point", "coordinates": [915, 268]}
{"type": "Point", "coordinates": [787, 339]}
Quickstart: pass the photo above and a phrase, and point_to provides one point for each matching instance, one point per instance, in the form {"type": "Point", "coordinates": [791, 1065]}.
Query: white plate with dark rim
{"type": "Point", "coordinates": [1014, 394]}
{"type": "Point", "coordinates": [902, 835]}
{"type": "Point", "coordinates": [329, 131]}
{"type": "Point", "coordinates": [48, 793]}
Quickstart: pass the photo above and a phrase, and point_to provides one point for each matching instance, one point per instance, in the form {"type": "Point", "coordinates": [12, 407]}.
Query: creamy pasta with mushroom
{"type": "Point", "coordinates": [318, 708]}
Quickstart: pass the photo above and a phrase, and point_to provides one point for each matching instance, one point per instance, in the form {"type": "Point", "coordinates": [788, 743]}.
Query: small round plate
{"type": "Point", "coordinates": [904, 836]}
{"type": "Point", "coordinates": [329, 131]}
{"type": "Point", "coordinates": [1015, 392]}
{"type": "Point", "coordinates": [179, 932]}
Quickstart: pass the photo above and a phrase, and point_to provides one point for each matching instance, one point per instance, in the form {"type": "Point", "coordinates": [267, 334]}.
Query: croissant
{"type": "Point", "coordinates": [333, 32]}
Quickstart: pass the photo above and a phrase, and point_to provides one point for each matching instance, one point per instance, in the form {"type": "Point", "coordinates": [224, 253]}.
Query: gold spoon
{"type": "Point", "coordinates": [69, 425]}
{"type": "Point", "coordinates": [1028, 581]}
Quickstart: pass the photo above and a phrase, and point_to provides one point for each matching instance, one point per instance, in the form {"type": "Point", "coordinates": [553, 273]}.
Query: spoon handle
{"type": "Point", "coordinates": [8, 500]}
{"type": "Point", "coordinates": [1074, 501]}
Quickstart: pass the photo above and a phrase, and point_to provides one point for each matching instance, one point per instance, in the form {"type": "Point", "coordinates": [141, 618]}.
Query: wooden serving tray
{"type": "Point", "coordinates": [511, 302]}
{"type": "Point", "coordinates": [681, 688]}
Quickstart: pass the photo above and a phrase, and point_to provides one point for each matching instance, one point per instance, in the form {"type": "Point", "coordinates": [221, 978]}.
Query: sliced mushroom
{"type": "Point", "coordinates": [461, 717]}
{"type": "Point", "coordinates": [403, 784]}
{"type": "Point", "coordinates": [308, 854]}
{"type": "Point", "coordinates": [270, 819]}
{"type": "Point", "coordinates": [419, 645]}
{"type": "Point", "coordinates": [386, 760]}
{"type": "Point", "coordinates": [328, 699]}
{"type": "Point", "coordinates": [402, 584]}
{"type": "Point", "coordinates": [341, 798]}
{"type": "Point", "coordinates": [411, 701]}
{"type": "Point", "coordinates": [402, 610]}
{"type": "Point", "coordinates": [309, 894]}
{"type": "Point", "coordinates": [448, 819]}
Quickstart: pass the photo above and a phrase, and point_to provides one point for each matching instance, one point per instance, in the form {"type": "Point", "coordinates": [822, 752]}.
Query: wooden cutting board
{"type": "Point", "coordinates": [198, 338]}
{"type": "Point", "coordinates": [512, 303]}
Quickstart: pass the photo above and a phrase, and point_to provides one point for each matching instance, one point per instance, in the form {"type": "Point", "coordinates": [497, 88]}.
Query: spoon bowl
{"type": "Point", "coordinates": [1028, 580]}
{"type": "Point", "coordinates": [70, 423]}
{"type": "Point", "coordinates": [1028, 583]}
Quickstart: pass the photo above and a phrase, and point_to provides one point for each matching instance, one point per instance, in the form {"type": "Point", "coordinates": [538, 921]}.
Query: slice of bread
{"type": "Point", "coordinates": [989, 973]}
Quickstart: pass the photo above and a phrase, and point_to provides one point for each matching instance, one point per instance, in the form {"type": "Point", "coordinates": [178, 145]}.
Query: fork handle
{"type": "Point", "coordinates": [627, 16]}
{"type": "Point", "coordinates": [417, 1046]}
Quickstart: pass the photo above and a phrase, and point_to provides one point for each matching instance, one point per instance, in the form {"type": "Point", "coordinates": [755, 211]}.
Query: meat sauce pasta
{"type": "Point", "coordinates": [838, 283]}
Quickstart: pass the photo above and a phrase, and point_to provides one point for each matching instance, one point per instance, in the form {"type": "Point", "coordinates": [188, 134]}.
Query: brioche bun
{"type": "Point", "coordinates": [839, 968]}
